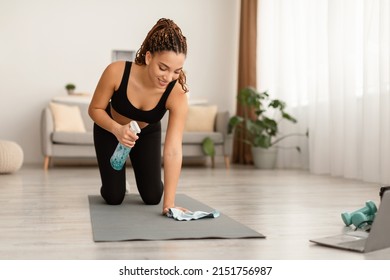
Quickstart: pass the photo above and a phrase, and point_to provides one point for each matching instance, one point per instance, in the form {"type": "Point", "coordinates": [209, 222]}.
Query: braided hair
{"type": "Point", "coordinates": [165, 35]}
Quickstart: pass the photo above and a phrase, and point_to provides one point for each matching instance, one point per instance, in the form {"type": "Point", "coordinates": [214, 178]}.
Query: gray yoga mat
{"type": "Point", "coordinates": [132, 220]}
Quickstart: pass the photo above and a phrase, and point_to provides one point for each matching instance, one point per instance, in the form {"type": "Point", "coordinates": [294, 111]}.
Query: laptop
{"type": "Point", "coordinates": [362, 241]}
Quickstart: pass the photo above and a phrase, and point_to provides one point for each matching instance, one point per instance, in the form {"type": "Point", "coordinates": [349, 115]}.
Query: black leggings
{"type": "Point", "coordinates": [145, 159]}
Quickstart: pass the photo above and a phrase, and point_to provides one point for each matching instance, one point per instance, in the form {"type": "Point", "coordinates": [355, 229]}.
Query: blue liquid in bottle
{"type": "Point", "coordinates": [121, 152]}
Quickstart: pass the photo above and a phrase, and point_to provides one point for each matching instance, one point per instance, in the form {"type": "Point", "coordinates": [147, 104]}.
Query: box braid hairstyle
{"type": "Point", "coordinates": [165, 35]}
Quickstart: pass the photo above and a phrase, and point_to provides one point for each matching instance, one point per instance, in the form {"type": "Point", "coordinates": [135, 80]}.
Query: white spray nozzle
{"type": "Point", "coordinates": [134, 127]}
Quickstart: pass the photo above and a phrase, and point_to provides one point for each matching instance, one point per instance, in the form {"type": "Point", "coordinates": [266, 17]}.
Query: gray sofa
{"type": "Point", "coordinates": [76, 145]}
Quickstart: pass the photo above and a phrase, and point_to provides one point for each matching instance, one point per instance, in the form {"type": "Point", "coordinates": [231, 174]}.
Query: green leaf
{"type": "Point", "coordinates": [289, 117]}
{"type": "Point", "coordinates": [208, 147]}
{"type": "Point", "coordinates": [262, 141]}
{"type": "Point", "coordinates": [233, 122]}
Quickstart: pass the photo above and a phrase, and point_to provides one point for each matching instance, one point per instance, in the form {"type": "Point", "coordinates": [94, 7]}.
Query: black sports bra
{"type": "Point", "coordinates": [121, 104]}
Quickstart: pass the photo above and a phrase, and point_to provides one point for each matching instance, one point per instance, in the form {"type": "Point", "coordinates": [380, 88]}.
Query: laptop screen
{"type": "Point", "coordinates": [379, 237]}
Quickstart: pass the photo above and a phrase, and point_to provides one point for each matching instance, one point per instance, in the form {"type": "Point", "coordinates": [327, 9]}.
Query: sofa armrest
{"type": "Point", "coordinates": [221, 125]}
{"type": "Point", "coordinates": [228, 145]}
{"type": "Point", "coordinates": [221, 122]}
{"type": "Point", "coordinates": [47, 128]}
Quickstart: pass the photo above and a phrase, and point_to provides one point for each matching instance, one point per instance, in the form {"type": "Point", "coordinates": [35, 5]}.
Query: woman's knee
{"type": "Point", "coordinates": [152, 198]}
{"type": "Point", "coordinates": [152, 201]}
{"type": "Point", "coordinates": [112, 198]}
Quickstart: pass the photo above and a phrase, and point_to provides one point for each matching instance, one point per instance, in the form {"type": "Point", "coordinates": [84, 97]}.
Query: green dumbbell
{"type": "Point", "coordinates": [369, 210]}
{"type": "Point", "coordinates": [360, 220]}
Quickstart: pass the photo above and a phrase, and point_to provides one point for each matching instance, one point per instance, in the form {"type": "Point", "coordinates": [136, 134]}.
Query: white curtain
{"type": "Point", "coordinates": [330, 61]}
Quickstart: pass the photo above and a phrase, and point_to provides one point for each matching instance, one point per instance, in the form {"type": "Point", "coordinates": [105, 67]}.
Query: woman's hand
{"type": "Point", "coordinates": [126, 136]}
{"type": "Point", "coordinates": [166, 209]}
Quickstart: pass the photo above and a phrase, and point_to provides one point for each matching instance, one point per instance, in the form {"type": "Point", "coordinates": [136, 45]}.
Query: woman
{"type": "Point", "coordinates": [143, 91]}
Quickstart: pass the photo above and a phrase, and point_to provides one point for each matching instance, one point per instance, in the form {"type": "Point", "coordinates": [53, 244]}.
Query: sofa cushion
{"type": "Point", "coordinates": [78, 138]}
{"type": "Point", "coordinates": [67, 118]}
{"type": "Point", "coordinates": [201, 118]}
{"type": "Point", "coordinates": [190, 138]}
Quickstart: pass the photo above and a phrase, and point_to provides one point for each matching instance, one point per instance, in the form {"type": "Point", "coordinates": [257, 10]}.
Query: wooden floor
{"type": "Point", "coordinates": [45, 215]}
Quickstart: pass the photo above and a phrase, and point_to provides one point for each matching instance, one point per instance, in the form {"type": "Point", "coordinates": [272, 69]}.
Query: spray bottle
{"type": "Point", "coordinates": [121, 153]}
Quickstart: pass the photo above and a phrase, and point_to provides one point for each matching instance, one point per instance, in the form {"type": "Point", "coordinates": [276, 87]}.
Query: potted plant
{"type": "Point", "coordinates": [260, 125]}
{"type": "Point", "coordinates": [70, 88]}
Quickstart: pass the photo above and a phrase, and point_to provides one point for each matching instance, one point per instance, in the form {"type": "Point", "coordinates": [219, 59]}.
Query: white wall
{"type": "Point", "coordinates": [45, 44]}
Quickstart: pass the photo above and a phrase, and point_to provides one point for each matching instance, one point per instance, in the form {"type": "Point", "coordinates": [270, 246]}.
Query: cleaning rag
{"type": "Point", "coordinates": [180, 215]}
